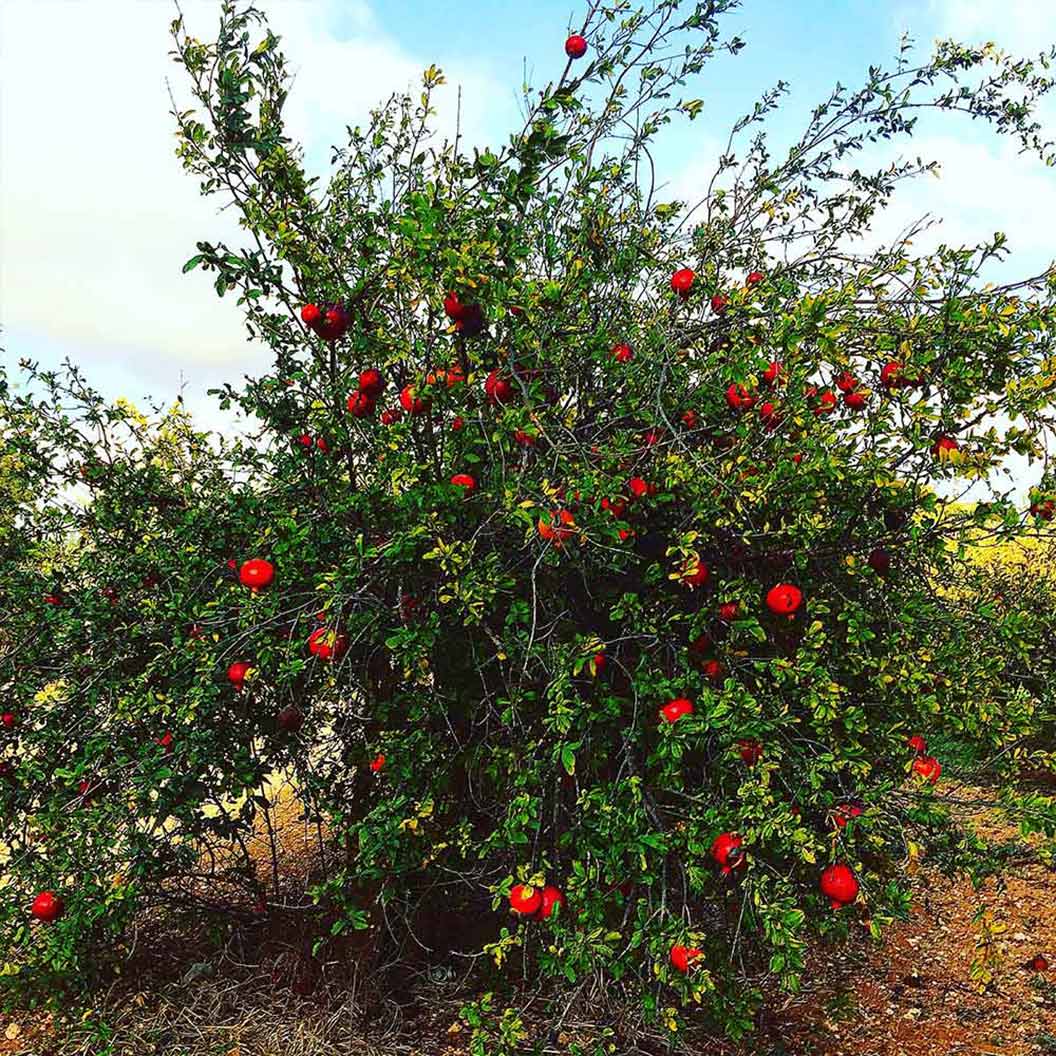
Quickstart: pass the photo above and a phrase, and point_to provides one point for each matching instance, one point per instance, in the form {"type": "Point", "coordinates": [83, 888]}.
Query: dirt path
{"type": "Point", "coordinates": [952, 981]}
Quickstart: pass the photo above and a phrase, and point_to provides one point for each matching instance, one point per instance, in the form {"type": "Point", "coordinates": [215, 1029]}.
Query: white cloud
{"type": "Point", "coordinates": [97, 213]}
{"type": "Point", "coordinates": [982, 187]}
{"type": "Point", "coordinates": [1025, 26]}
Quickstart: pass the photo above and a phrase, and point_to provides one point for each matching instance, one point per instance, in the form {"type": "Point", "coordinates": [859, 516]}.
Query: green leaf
{"type": "Point", "coordinates": [568, 759]}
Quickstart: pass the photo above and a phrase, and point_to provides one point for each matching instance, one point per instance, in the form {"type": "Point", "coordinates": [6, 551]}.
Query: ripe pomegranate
{"type": "Point", "coordinates": [846, 382]}
{"type": "Point", "coordinates": [640, 488]}
{"type": "Point", "coordinates": [236, 673]}
{"type": "Point", "coordinates": [750, 750]}
{"type": "Point", "coordinates": [754, 278]}
{"type": "Point", "coordinates": [1044, 510]}
{"type": "Point", "coordinates": [615, 507]}
{"type": "Point", "coordinates": [7, 720]}
{"type": "Point", "coordinates": [411, 402]}
{"type": "Point", "coordinates": [471, 320]}
{"type": "Point", "coordinates": [839, 885]}
{"type": "Point", "coordinates": [682, 281]}
{"type": "Point", "coordinates": [47, 907]}
{"type": "Point", "coordinates": [322, 445]}
{"type": "Point", "coordinates": [891, 375]}
{"type": "Point", "coordinates": [523, 439]}
{"type": "Point", "coordinates": [498, 388]}
{"type": "Point", "coordinates": [599, 662]}
{"type": "Point", "coordinates": [311, 314]}
{"type": "Point", "coordinates": [1039, 963]}
{"type": "Point", "coordinates": [371, 382]}
{"type": "Point", "coordinates": [256, 573]}
{"type": "Point", "coordinates": [738, 398]}
{"type": "Point", "coordinates": [290, 719]}
{"type": "Point", "coordinates": [944, 447]}
{"type": "Point", "coordinates": [699, 646]}
{"type": "Point", "coordinates": [928, 767]}
{"type": "Point", "coordinates": [683, 956]}
{"type": "Point", "coordinates": [784, 599]}
{"type": "Point", "coordinates": [718, 304]}
{"type": "Point", "coordinates": [327, 644]}
{"type": "Point", "coordinates": [712, 670]}
{"type": "Point", "coordinates": [361, 404]}
{"type": "Point", "coordinates": [550, 898]}
{"type": "Point", "coordinates": [576, 46]}
{"type": "Point", "coordinates": [728, 852]}
{"type": "Point", "coordinates": [333, 324]}
{"type": "Point", "coordinates": [305, 441]}
{"type": "Point", "coordinates": [695, 573]}
{"type": "Point", "coordinates": [464, 480]}
{"type": "Point", "coordinates": [917, 743]}
{"type": "Point", "coordinates": [391, 416]}
{"type": "Point", "coordinates": [690, 419]}
{"type": "Point", "coordinates": [826, 403]}
{"type": "Point", "coordinates": [729, 611]}
{"type": "Point", "coordinates": [165, 742]}
{"type": "Point", "coordinates": [675, 709]}
{"type": "Point", "coordinates": [622, 353]}
{"type": "Point", "coordinates": [879, 560]}
{"type": "Point", "coordinates": [769, 416]}
{"type": "Point", "coordinates": [377, 764]}
{"type": "Point", "coordinates": [457, 423]}
{"type": "Point", "coordinates": [557, 527]}
{"type": "Point", "coordinates": [452, 307]}
{"type": "Point", "coordinates": [771, 374]}
{"type": "Point", "coordinates": [525, 899]}
{"type": "Point", "coordinates": [855, 400]}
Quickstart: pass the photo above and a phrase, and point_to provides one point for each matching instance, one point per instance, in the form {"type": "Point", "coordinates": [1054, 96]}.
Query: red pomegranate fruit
{"type": "Point", "coordinates": [525, 899]}
{"type": "Point", "coordinates": [839, 885]}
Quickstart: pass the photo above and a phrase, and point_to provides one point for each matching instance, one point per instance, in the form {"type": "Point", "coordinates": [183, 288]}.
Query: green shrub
{"type": "Point", "coordinates": [506, 642]}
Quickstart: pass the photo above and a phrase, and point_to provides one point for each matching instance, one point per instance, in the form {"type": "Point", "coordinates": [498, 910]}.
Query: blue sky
{"type": "Point", "coordinates": [97, 217]}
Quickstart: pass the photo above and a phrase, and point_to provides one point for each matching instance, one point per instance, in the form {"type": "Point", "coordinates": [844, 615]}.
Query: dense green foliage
{"type": "Point", "coordinates": [458, 626]}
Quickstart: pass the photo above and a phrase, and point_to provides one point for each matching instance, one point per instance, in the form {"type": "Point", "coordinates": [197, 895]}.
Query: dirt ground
{"type": "Point", "coordinates": [953, 980]}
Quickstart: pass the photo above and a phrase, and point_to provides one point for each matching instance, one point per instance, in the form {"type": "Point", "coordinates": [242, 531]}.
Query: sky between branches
{"type": "Point", "coordinates": [97, 217]}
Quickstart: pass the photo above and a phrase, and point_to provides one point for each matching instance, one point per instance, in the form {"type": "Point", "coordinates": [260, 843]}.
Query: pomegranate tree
{"type": "Point", "coordinates": [627, 602]}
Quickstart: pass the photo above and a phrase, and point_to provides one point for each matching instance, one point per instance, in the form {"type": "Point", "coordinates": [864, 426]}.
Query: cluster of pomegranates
{"type": "Point", "coordinates": [362, 402]}
{"type": "Point", "coordinates": [823, 401]}
{"type": "Point", "coordinates": [837, 883]}
{"type": "Point", "coordinates": [783, 599]}
{"type": "Point", "coordinates": [468, 318]}
{"type": "Point", "coordinates": [538, 903]}
{"type": "Point", "coordinates": [306, 442]}
{"type": "Point", "coordinates": [328, 321]}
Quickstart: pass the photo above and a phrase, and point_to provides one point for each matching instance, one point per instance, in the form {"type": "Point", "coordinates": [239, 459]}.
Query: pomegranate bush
{"type": "Point", "coordinates": [596, 566]}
